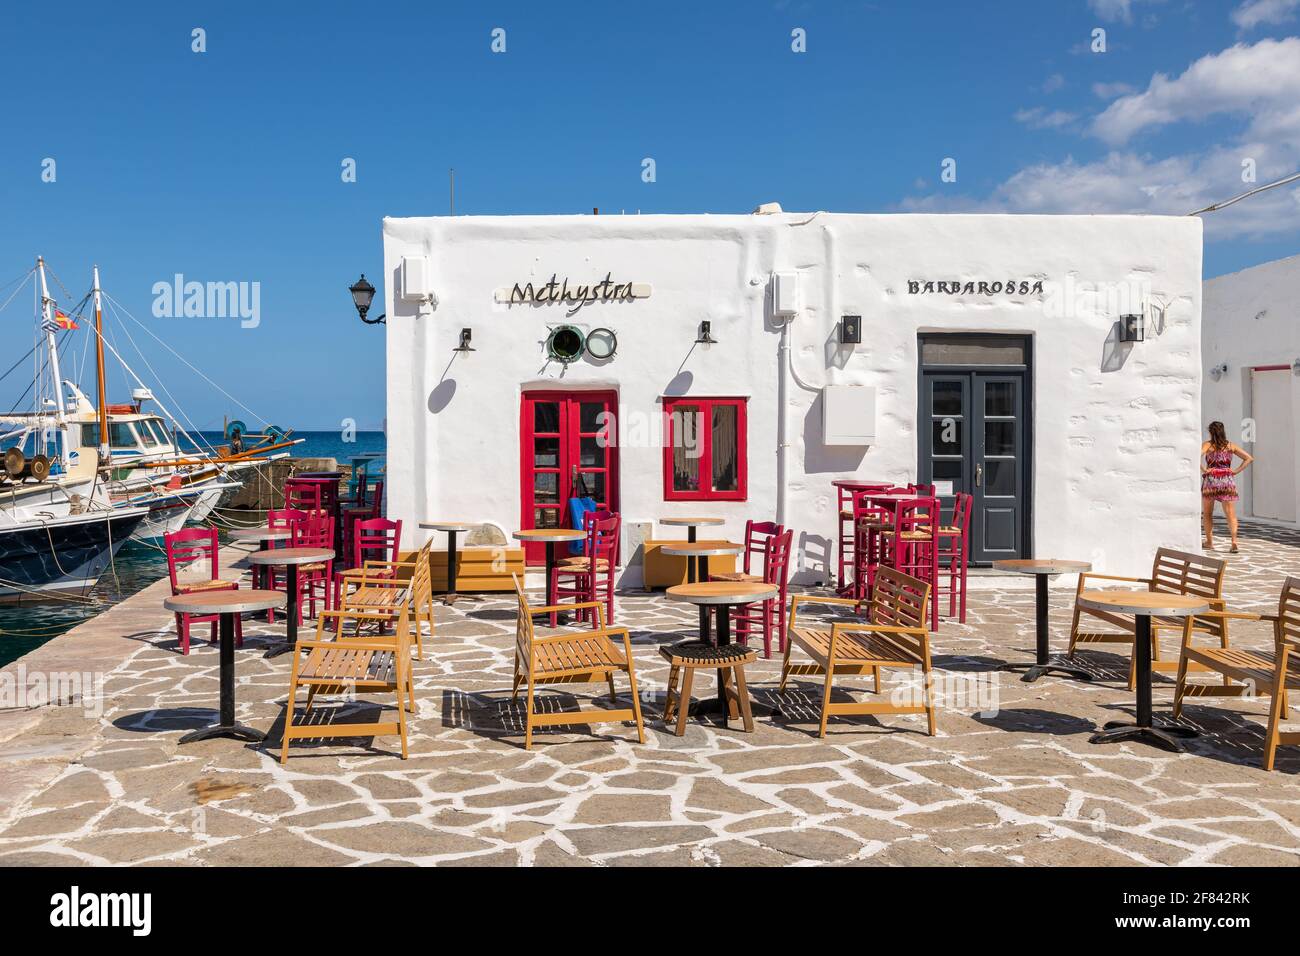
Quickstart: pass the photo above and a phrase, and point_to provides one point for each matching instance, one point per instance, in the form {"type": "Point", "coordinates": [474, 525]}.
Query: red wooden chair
{"type": "Point", "coordinates": [315, 531]}
{"type": "Point", "coordinates": [370, 508]}
{"type": "Point", "coordinates": [911, 545]}
{"type": "Point", "coordinates": [279, 519]}
{"type": "Point", "coordinates": [847, 537]}
{"type": "Point", "coordinates": [590, 578]}
{"type": "Point", "coordinates": [185, 547]}
{"type": "Point", "coordinates": [870, 522]}
{"type": "Point", "coordinates": [304, 494]}
{"type": "Point", "coordinates": [376, 540]}
{"type": "Point", "coordinates": [954, 547]}
{"type": "Point", "coordinates": [757, 536]}
{"type": "Point", "coordinates": [769, 615]}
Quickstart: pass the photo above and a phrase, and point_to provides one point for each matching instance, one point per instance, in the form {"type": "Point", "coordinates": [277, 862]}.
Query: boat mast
{"type": "Point", "coordinates": [101, 401]}
{"type": "Point", "coordinates": [49, 325]}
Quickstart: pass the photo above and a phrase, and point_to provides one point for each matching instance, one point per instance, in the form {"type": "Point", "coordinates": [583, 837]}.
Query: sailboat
{"type": "Point", "coordinates": [59, 530]}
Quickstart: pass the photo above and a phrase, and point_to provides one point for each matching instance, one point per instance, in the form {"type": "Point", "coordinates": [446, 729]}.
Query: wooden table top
{"type": "Point", "coordinates": [288, 556]}
{"type": "Point", "coordinates": [722, 592]}
{"type": "Point", "coordinates": [444, 526]}
{"type": "Point", "coordinates": [860, 483]}
{"type": "Point", "coordinates": [261, 534]}
{"type": "Point", "coordinates": [1124, 601]}
{"type": "Point", "coordinates": [1041, 566]}
{"type": "Point", "coordinates": [224, 602]}
{"type": "Point", "coordinates": [700, 549]}
{"type": "Point", "coordinates": [550, 534]}
{"type": "Point", "coordinates": [691, 522]}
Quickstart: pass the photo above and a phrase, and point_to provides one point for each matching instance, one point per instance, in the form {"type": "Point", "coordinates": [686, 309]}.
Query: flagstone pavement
{"type": "Point", "coordinates": [1010, 778]}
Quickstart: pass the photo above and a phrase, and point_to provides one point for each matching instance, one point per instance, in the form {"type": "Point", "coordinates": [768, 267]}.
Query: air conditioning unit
{"type": "Point", "coordinates": [848, 415]}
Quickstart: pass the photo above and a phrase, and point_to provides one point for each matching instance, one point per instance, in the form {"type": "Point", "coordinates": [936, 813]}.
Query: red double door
{"type": "Point", "coordinates": [568, 449]}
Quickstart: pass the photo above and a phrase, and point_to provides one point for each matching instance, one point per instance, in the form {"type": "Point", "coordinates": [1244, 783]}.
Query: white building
{"type": "Point", "coordinates": [1252, 354]}
{"type": "Point", "coordinates": [990, 361]}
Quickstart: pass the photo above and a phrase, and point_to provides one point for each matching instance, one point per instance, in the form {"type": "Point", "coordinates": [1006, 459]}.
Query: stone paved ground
{"type": "Point", "coordinates": [1016, 785]}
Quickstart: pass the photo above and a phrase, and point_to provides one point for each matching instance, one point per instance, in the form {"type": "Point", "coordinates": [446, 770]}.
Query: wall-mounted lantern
{"type": "Point", "coordinates": [851, 330]}
{"type": "Point", "coordinates": [363, 293]}
{"type": "Point", "coordinates": [465, 336]}
{"type": "Point", "coordinates": [1131, 328]}
{"type": "Point", "coordinates": [1219, 371]}
{"type": "Point", "coordinates": [705, 338]}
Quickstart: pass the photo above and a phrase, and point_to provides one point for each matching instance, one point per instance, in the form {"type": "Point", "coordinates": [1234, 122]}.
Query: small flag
{"type": "Point", "coordinates": [64, 321]}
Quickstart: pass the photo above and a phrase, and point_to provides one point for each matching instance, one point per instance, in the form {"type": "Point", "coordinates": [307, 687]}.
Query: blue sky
{"type": "Point", "coordinates": [225, 165]}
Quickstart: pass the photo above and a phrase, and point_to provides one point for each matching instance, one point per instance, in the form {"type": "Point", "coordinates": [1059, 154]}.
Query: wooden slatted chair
{"type": "Point", "coordinates": [1172, 572]}
{"type": "Point", "coordinates": [1273, 673]}
{"type": "Point", "coordinates": [382, 587]}
{"type": "Point", "coordinates": [347, 663]}
{"type": "Point", "coordinates": [581, 657]}
{"type": "Point", "coordinates": [894, 635]}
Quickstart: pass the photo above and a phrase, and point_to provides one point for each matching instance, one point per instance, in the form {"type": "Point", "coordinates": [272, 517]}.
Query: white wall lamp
{"type": "Point", "coordinates": [1219, 371]}
{"type": "Point", "coordinates": [465, 336]}
{"type": "Point", "coordinates": [705, 338]}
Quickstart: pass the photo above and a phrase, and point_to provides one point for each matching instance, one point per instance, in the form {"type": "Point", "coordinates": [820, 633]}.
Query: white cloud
{"type": "Point", "coordinates": [1253, 13]}
{"type": "Point", "coordinates": [1053, 83]}
{"type": "Point", "coordinates": [1040, 118]}
{"type": "Point", "coordinates": [1108, 91]}
{"type": "Point", "coordinates": [1119, 10]}
{"type": "Point", "coordinates": [1260, 81]}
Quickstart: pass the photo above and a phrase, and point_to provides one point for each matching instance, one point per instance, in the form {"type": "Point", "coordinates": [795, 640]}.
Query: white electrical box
{"type": "Point", "coordinates": [785, 293]}
{"type": "Point", "coordinates": [415, 278]}
{"type": "Point", "coordinates": [848, 415]}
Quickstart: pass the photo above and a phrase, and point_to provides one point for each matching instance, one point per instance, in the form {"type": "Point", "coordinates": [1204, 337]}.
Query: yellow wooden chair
{"type": "Point", "coordinates": [381, 587]}
{"type": "Point", "coordinates": [576, 657]}
{"type": "Point", "coordinates": [1172, 572]}
{"type": "Point", "coordinates": [1272, 673]}
{"type": "Point", "coordinates": [893, 635]}
{"type": "Point", "coordinates": [343, 663]}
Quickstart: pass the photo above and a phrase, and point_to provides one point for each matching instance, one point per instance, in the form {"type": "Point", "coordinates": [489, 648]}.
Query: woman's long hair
{"type": "Point", "coordinates": [1218, 437]}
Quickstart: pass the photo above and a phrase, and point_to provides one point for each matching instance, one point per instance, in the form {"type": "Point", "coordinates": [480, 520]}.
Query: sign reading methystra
{"type": "Point", "coordinates": [999, 287]}
{"type": "Point", "coordinates": [559, 292]}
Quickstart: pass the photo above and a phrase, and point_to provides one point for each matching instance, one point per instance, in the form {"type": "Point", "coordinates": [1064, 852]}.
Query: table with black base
{"type": "Point", "coordinates": [719, 597]}
{"type": "Point", "coordinates": [690, 524]}
{"type": "Point", "coordinates": [550, 537]}
{"type": "Point", "coordinates": [1042, 569]}
{"type": "Point", "coordinates": [227, 605]}
{"type": "Point", "coordinates": [1143, 605]}
{"type": "Point", "coordinates": [452, 528]}
{"type": "Point", "coordinates": [289, 559]}
{"type": "Point", "coordinates": [697, 567]}
{"type": "Point", "coordinates": [266, 537]}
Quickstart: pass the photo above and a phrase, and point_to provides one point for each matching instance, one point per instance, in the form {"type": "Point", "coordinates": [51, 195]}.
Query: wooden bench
{"type": "Point", "coordinates": [345, 664]}
{"type": "Point", "coordinates": [580, 657]}
{"type": "Point", "coordinates": [1271, 673]}
{"type": "Point", "coordinates": [1172, 572]}
{"type": "Point", "coordinates": [894, 635]}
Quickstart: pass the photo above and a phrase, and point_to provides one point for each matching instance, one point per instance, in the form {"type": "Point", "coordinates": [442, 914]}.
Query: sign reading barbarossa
{"type": "Point", "coordinates": [982, 287]}
{"type": "Point", "coordinates": [559, 292]}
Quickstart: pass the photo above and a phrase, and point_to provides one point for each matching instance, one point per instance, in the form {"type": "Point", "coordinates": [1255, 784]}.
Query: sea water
{"type": "Point", "coordinates": [139, 564]}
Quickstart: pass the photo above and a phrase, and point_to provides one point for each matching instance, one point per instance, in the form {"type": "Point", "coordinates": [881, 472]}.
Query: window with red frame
{"type": "Point", "coordinates": [704, 449]}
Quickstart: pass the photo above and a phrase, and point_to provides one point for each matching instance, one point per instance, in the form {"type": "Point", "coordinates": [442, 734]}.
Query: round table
{"type": "Point", "coordinates": [861, 484]}
{"type": "Point", "coordinates": [452, 528]}
{"type": "Point", "coordinates": [697, 566]}
{"type": "Point", "coordinates": [1143, 605]}
{"type": "Point", "coordinates": [289, 559]}
{"type": "Point", "coordinates": [226, 605]}
{"type": "Point", "coordinates": [265, 536]}
{"type": "Point", "coordinates": [720, 597]}
{"type": "Point", "coordinates": [1042, 569]}
{"type": "Point", "coordinates": [550, 537]}
{"type": "Point", "coordinates": [690, 524]}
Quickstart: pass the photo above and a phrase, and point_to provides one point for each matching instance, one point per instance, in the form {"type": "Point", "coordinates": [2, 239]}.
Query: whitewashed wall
{"type": "Point", "coordinates": [1116, 428]}
{"type": "Point", "coordinates": [1252, 318]}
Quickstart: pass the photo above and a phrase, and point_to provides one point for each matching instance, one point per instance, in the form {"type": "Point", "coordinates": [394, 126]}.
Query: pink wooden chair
{"type": "Point", "coordinates": [769, 615]}
{"type": "Point", "coordinates": [954, 547]}
{"type": "Point", "coordinates": [315, 531]}
{"type": "Point", "coordinates": [370, 509]}
{"type": "Point", "coordinates": [280, 519]}
{"type": "Point", "coordinates": [870, 522]}
{"type": "Point", "coordinates": [590, 578]}
{"type": "Point", "coordinates": [757, 535]}
{"type": "Point", "coordinates": [304, 494]}
{"type": "Point", "coordinates": [373, 539]}
{"type": "Point", "coordinates": [912, 546]}
{"type": "Point", "coordinates": [185, 547]}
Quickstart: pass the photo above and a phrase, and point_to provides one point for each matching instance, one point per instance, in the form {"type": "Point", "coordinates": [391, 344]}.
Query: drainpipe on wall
{"type": "Point", "coordinates": [782, 442]}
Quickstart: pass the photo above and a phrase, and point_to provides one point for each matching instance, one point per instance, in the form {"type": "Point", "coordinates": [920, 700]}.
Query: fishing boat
{"type": "Point", "coordinates": [41, 558]}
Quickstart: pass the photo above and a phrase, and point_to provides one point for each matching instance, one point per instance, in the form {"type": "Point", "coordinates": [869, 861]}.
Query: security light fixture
{"type": "Point", "coordinates": [705, 337]}
{"type": "Point", "coordinates": [464, 346]}
{"type": "Point", "coordinates": [363, 293]}
{"type": "Point", "coordinates": [1131, 328]}
{"type": "Point", "coordinates": [1219, 371]}
{"type": "Point", "coordinates": [851, 330]}
{"type": "Point", "coordinates": [565, 343]}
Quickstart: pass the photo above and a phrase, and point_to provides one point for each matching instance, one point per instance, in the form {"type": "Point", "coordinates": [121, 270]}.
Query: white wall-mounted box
{"type": "Point", "coordinates": [415, 278]}
{"type": "Point", "coordinates": [848, 415]}
{"type": "Point", "coordinates": [785, 293]}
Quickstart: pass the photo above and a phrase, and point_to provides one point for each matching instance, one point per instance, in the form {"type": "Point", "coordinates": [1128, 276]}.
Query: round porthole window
{"type": "Point", "coordinates": [602, 343]}
{"type": "Point", "coordinates": [565, 343]}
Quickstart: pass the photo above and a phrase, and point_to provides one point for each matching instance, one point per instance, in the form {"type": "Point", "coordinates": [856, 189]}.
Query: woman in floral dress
{"type": "Point", "coordinates": [1219, 481]}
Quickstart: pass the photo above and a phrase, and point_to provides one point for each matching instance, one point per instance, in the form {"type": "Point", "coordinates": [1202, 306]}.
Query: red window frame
{"type": "Point", "coordinates": [706, 405]}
